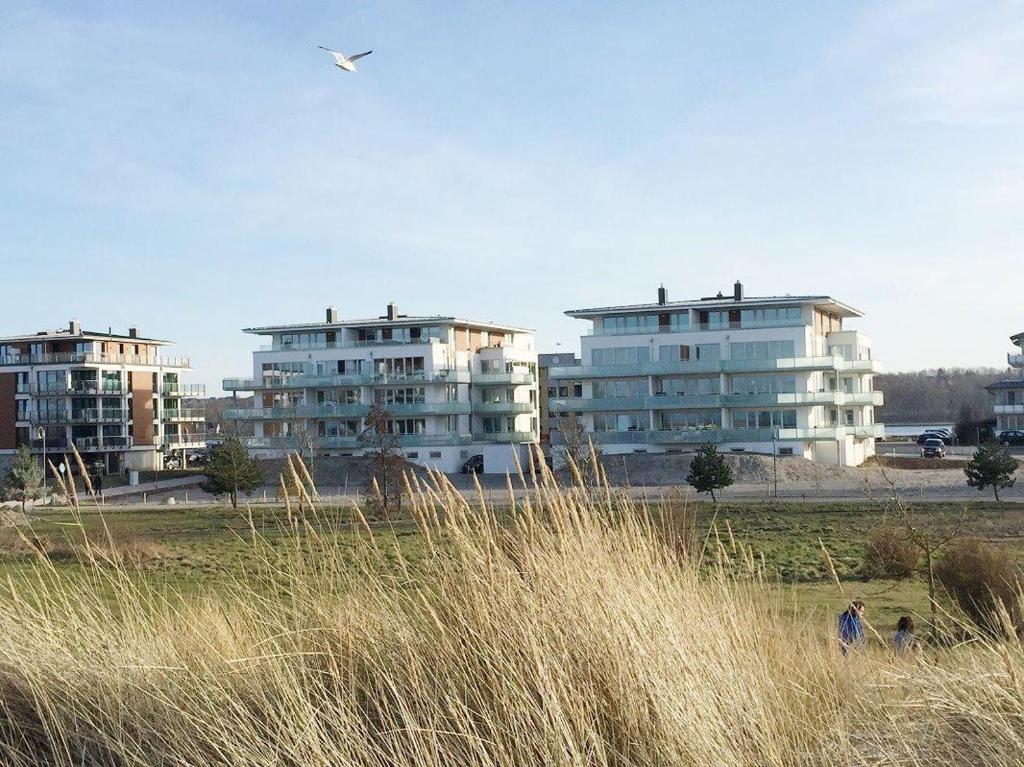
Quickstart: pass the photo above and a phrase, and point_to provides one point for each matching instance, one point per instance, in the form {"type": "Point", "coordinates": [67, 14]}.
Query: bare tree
{"type": "Point", "coordinates": [926, 532]}
{"type": "Point", "coordinates": [386, 485]}
{"type": "Point", "coordinates": [579, 449]}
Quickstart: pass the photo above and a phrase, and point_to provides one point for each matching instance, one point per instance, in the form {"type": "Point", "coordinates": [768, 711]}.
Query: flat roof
{"type": "Point", "coordinates": [83, 335]}
{"type": "Point", "coordinates": [1018, 339]}
{"type": "Point", "coordinates": [401, 321]}
{"type": "Point", "coordinates": [725, 302]}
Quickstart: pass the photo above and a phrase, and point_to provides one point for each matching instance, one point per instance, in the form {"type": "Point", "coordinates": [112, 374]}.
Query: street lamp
{"type": "Point", "coordinates": [41, 433]}
{"type": "Point", "coordinates": [775, 462]}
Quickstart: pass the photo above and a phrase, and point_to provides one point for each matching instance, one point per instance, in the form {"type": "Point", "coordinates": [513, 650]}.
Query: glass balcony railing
{"type": "Point", "coordinates": [355, 410]}
{"type": "Point", "coordinates": [334, 381]}
{"type": "Point", "coordinates": [680, 402]}
{"type": "Point", "coordinates": [182, 390]}
{"type": "Point", "coordinates": [183, 440]}
{"type": "Point", "coordinates": [519, 378]}
{"type": "Point", "coordinates": [519, 408]}
{"type": "Point", "coordinates": [1015, 360]}
{"type": "Point", "coordinates": [96, 415]}
{"type": "Point", "coordinates": [184, 414]}
{"type": "Point", "coordinates": [695, 327]}
{"type": "Point", "coordinates": [91, 444]}
{"type": "Point", "coordinates": [89, 358]}
{"type": "Point", "coordinates": [319, 345]}
{"type": "Point", "coordinates": [504, 436]}
{"type": "Point", "coordinates": [353, 442]}
{"type": "Point", "coordinates": [835, 363]}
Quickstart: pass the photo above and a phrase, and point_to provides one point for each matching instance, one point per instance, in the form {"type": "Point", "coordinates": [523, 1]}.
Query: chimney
{"type": "Point", "coordinates": [74, 328]}
{"type": "Point", "coordinates": [332, 315]}
{"type": "Point", "coordinates": [133, 332]}
{"type": "Point", "coordinates": [662, 296]}
{"type": "Point", "coordinates": [737, 291]}
{"type": "Point", "coordinates": [392, 310]}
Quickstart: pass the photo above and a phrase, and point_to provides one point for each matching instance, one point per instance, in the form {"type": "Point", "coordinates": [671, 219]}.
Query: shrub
{"type": "Point", "coordinates": [980, 576]}
{"type": "Point", "coordinates": [889, 553]}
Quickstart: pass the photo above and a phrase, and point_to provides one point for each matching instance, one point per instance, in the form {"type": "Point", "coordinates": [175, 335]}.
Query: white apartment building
{"type": "Point", "coordinates": [1009, 393]}
{"type": "Point", "coordinates": [747, 374]}
{"type": "Point", "coordinates": [453, 388]}
{"type": "Point", "coordinates": [112, 396]}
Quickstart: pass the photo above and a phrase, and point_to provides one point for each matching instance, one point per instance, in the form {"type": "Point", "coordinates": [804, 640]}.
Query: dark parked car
{"type": "Point", "coordinates": [933, 448]}
{"type": "Point", "coordinates": [473, 465]}
{"type": "Point", "coordinates": [1013, 437]}
{"type": "Point", "coordinates": [945, 438]}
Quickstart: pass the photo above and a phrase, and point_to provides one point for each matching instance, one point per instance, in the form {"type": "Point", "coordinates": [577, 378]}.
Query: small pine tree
{"type": "Point", "coordinates": [709, 471]}
{"type": "Point", "coordinates": [991, 466]}
{"type": "Point", "coordinates": [231, 471]}
{"type": "Point", "coordinates": [24, 481]}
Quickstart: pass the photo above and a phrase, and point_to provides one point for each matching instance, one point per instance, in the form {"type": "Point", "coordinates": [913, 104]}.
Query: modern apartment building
{"type": "Point", "coordinates": [1009, 394]}
{"type": "Point", "coordinates": [453, 388]}
{"type": "Point", "coordinates": [112, 396]}
{"type": "Point", "coordinates": [766, 374]}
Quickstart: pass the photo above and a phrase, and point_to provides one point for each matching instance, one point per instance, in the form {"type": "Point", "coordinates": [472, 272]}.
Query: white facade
{"type": "Point", "coordinates": [1009, 394]}
{"type": "Point", "coordinates": [748, 374]}
{"type": "Point", "coordinates": [451, 387]}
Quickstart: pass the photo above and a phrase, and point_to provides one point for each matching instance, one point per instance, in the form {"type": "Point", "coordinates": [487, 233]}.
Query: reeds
{"type": "Point", "coordinates": [579, 628]}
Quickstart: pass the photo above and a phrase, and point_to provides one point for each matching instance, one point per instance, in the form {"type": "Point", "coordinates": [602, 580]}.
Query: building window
{"type": "Point", "coordinates": [760, 350]}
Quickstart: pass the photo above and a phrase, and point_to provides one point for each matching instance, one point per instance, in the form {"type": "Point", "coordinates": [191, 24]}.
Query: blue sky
{"type": "Point", "coordinates": [194, 170]}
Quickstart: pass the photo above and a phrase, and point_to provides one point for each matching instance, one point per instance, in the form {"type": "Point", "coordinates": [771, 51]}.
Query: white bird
{"type": "Point", "coordinates": [343, 61]}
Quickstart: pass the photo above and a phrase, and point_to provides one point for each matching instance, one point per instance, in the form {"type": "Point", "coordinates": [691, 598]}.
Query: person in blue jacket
{"type": "Point", "coordinates": [851, 632]}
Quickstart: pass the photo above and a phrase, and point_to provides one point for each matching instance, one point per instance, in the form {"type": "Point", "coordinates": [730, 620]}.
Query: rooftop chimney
{"type": "Point", "coordinates": [737, 291]}
{"type": "Point", "coordinates": [392, 310]}
{"type": "Point", "coordinates": [662, 296]}
{"type": "Point", "coordinates": [332, 315]}
{"type": "Point", "coordinates": [74, 328]}
{"type": "Point", "coordinates": [133, 332]}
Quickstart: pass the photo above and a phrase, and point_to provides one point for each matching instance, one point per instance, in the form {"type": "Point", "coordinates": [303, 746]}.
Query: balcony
{"type": "Point", "coordinates": [178, 441]}
{"type": "Point", "coordinates": [96, 415]}
{"type": "Point", "coordinates": [697, 327]}
{"type": "Point", "coordinates": [92, 444]}
{"type": "Point", "coordinates": [681, 402]}
{"type": "Point", "coordinates": [184, 414]}
{"type": "Point", "coordinates": [183, 390]}
{"type": "Point", "coordinates": [507, 379]}
{"type": "Point", "coordinates": [47, 417]}
{"type": "Point", "coordinates": [1008, 408]}
{"type": "Point", "coordinates": [835, 363]}
{"type": "Point", "coordinates": [92, 358]}
{"type": "Point", "coordinates": [352, 442]}
{"type": "Point", "coordinates": [78, 389]}
{"type": "Point", "coordinates": [355, 410]}
{"type": "Point", "coordinates": [321, 345]}
{"type": "Point", "coordinates": [334, 381]}
{"type": "Point", "coordinates": [1015, 360]}
{"type": "Point", "coordinates": [519, 408]}
{"type": "Point", "coordinates": [504, 436]}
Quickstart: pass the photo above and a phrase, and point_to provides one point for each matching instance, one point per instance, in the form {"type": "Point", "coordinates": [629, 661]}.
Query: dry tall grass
{"type": "Point", "coordinates": [579, 630]}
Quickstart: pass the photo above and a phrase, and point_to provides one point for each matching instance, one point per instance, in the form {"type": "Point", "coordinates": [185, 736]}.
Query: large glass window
{"type": "Point", "coordinates": [763, 384]}
{"type": "Point", "coordinates": [620, 422]}
{"type": "Point", "coordinates": [689, 419]}
{"type": "Point", "coordinates": [630, 323]}
{"type": "Point", "coordinates": [687, 387]}
{"type": "Point", "coordinates": [775, 316]}
{"type": "Point", "coordinates": [412, 395]}
{"type": "Point", "coordinates": [760, 350]}
{"type": "Point", "coordinates": [764, 419]}
{"type": "Point", "coordinates": [623, 387]}
{"type": "Point", "coordinates": [623, 355]}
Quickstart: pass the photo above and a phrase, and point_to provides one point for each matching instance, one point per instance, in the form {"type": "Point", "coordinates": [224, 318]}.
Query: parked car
{"type": "Point", "coordinates": [933, 448]}
{"type": "Point", "coordinates": [172, 462]}
{"type": "Point", "coordinates": [473, 465]}
{"type": "Point", "coordinates": [944, 438]}
{"type": "Point", "coordinates": [1010, 437]}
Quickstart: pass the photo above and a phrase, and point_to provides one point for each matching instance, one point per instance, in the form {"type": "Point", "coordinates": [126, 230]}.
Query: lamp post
{"type": "Point", "coordinates": [775, 464]}
{"type": "Point", "coordinates": [41, 433]}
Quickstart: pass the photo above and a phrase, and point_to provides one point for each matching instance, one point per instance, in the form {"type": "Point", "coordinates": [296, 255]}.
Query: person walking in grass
{"type": "Point", "coordinates": [904, 641]}
{"type": "Point", "coordinates": [851, 631]}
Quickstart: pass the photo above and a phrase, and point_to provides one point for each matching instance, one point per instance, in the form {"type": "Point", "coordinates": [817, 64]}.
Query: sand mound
{"type": "Point", "coordinates": [653, 469]}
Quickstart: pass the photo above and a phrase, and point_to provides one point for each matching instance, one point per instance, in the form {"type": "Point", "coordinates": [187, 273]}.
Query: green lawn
{"type": "Point", "coordinates": [204, 546]}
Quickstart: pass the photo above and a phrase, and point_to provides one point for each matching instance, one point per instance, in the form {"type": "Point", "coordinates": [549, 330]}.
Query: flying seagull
{"type": "Point", "coordinates": [345, 62]}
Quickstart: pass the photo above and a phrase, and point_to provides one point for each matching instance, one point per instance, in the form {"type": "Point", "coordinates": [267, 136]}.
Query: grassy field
{"type": "Point", "coordinates": [202, 547]}
{"type": "Point", "coordinates": [573, 637]}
